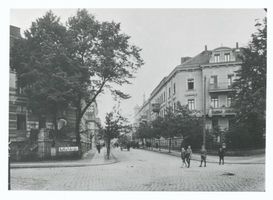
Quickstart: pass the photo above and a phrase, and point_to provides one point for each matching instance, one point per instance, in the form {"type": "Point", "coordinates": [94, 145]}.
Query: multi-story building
{"type": "Point", "coordinates": [27, 141]}
{"type": "Point", "coordinates": [202, 82]}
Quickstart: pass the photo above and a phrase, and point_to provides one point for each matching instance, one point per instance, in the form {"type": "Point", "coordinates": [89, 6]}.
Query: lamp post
{"type": "Point", "coordinates": [204, 113]}
{"type": "Point", "coordinates": [9, 188]}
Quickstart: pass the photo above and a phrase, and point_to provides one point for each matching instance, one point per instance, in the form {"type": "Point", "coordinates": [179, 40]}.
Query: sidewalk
{"type": "Point", "coordinates": [90, 158]}
{"type": "Point", "coordinates": [259, 159]}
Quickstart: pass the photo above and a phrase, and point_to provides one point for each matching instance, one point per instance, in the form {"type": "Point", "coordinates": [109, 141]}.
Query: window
{"type": "Point", "coordinates": [227, 57]}
{"type": "Point", "coordinates": [190, 84]}
{"type": "Point", "coordinates": [230, 80]}
{"type": "Point", "coordinates": [21, 122]}
{"type": "Point", "coordinates": [164, 96]}
{"type": "Point", "coordinates": [214, 102]}
{"type": "Point", "coordinates": [174, 88]}
{"type": "Point", "coordinates": [213, 81]}
{"type": "Point", "coordinates": [191, 104]}
{"type": "Point", "coordinates": [229, 101]}
{"type": "Point", "coordinates": [169, 92]}
{"type": "Point", "coordinates": [217, 58]}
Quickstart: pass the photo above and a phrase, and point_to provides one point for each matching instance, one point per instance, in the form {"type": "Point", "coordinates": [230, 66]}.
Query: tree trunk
{"type": "Point", "coordinates": [108, 148]}
{"type": "Point", "coordinates": [77, 130]}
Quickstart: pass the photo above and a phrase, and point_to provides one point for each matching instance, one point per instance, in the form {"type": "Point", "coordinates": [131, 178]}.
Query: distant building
{"type": "Point", "coordinates": [202, 82]}
{"type": "Point", "coordinates": [27, 141]}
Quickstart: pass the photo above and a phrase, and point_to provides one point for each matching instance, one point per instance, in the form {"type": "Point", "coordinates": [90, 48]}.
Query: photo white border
{"type": "Point", "coordinates": [41, 195]}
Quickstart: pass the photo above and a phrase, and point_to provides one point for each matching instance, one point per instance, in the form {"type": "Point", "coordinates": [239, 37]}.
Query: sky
{"type": "Point", "coordinates": [164, 35]}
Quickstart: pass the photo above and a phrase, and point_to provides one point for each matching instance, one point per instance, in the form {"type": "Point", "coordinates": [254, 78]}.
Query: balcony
{"type": "Point", "coordinates": [223, 111]}
{"type": "Point", "coordinates": [220, 87]}
{"type": "Point", "coordinates": [156, 107]}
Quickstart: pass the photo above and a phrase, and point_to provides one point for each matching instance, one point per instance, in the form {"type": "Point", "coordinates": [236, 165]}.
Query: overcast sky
{"type": "Point", "coordinates": [165, 35]}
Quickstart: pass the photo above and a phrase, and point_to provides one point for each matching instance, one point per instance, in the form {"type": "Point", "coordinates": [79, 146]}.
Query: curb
{"type": "Point", "coordinates": [55, 165]}
{"type": "Point", "coordinates": [238, 163]}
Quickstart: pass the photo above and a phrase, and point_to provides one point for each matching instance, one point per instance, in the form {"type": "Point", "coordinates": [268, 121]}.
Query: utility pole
{"type": "Point", "coordinates": [9, 185]}
{"type": "Point", "coordinates": [204, 113]}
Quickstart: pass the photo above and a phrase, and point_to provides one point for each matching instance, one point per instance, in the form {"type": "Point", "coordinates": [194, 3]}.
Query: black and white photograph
{"type": "Point", "coordinates": [137, 99]}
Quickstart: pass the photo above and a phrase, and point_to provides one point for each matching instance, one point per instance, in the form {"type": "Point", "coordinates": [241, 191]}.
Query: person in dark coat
{"type": "Point", "coordinates": [221, 154]}
{"type": "Point", "coordinates": [203, 156]}
{"type": "Point", "coordinates": [188, 156]}
{"type": "Point", "coordinates": [183, 157]}
{"type": "Point", "coordinates": [98, 147]}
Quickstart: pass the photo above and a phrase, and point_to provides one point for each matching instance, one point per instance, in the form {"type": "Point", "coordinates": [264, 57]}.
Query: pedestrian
{"type": "Point", "coordinates": [188, 156]}
{"type": "Point", "coordinates": [98, 147]}
{"type": "Point", "coordinates": [221, 154]}
{"type": "Point", "coordinates": [128, 146]}
{"type": "Point", "coordinates": [203, 156]}
{"type": "Point", "coordinates": [183, 157]}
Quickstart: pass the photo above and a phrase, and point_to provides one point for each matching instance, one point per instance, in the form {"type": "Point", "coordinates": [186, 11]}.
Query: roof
{"type": "Point", "coordinates": [201, 58]}
{"type": "Point", "coordinates": [222, 48]}
{"type": "Point", "coordinates": [15, 31]}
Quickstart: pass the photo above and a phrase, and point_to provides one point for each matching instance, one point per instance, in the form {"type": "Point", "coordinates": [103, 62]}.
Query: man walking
{"type": "Point", "coordinates": [188, 156]}
{"type": "Point", "coordinates": [203, 156]}
{"type": "Point", "coordinates": [221, 154]}
{"type": "Point", "coordinates": [183, 157]}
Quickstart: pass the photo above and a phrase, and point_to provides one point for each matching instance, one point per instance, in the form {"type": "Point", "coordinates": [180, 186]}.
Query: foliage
{"type": "Point", "coordinates": [43, 67]}
{"type": "Point", "coordinates": [115, 125]}
{"type": "Point", "coordinates": [180, 122]}
{"type": "Point", "coordinates": [106, 53]}
{"type": "Point", "coordinates": [250, 98]}
{"type": "Point", "coordinates": [59, 65]}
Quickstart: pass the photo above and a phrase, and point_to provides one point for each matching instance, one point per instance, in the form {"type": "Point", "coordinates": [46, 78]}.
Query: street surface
{"type": "Point", "coordinates": [140, 170]}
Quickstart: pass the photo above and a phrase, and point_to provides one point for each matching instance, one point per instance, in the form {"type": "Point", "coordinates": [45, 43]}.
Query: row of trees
{"type": "Point", "coordinates": [180, 122]}
{"type": "Point", "coordinates": [61, 66]}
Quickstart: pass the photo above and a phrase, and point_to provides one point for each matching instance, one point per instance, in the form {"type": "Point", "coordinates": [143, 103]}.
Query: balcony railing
{"type": "Point", "coordinates": [223, 111]}
{"type": "Point", "coordinates": [220, 87]}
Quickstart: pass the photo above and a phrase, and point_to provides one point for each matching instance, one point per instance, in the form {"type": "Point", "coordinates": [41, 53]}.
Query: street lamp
{"type": "Point", "coordinates": [9, 188]}
{"type": "Point", "coordinates": [204, 113]}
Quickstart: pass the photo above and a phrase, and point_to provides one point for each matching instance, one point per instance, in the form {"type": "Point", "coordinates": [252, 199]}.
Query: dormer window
{"type": "Point", "coordinates": [217, 58]}
{"type": "Point", "coordinates": [227, 57]}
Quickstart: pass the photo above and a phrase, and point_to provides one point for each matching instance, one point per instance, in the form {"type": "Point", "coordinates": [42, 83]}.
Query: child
{"type": "Point", "coordinates": [203, 156]}
{"type": "Point", "coordinates": [183, 157]}
{"type": "Point", "coordinates": [188, 155]}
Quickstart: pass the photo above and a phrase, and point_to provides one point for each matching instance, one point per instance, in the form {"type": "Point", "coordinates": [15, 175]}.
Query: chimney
{"type": "Point", "coordinates": [237, 45]}
{"type": "Point", "coordinates": [206, 48]}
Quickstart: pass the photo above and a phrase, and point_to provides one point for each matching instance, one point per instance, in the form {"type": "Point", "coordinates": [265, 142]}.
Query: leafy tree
{"type": "Point", "coordinates": [143, 131]}
{"type": "Point", "coordinates": [250, 98]}
{"type": "Point", "coordinates": [106, 54]}
{"type": "Point", "coordinates": [115, 124]}
{"type": "Point", "coordinates": [189, 126]}
{"type": "Point", "coordinates": [43, 67]}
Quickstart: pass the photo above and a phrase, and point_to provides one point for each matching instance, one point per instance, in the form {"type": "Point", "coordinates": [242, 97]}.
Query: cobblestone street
{"type": "Point", "coordinates": [140, 170]}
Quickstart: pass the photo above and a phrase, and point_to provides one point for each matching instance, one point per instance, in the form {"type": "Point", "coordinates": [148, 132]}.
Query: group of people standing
{"type": "Point", "coordinates": [186, 156]}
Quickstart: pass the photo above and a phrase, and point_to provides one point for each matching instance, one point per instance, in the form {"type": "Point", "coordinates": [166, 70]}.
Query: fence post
{"type": "Point", "coordinates": [170, 140]}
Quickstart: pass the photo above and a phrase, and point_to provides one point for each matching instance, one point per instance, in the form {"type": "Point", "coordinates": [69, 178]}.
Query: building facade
{"type": "Point", "coordinates": [203, 83]}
